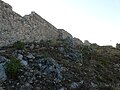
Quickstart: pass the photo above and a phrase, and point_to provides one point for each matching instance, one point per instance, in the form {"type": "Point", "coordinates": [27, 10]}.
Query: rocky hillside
{"type": "Point", "coordinates": [55, 65]}
{"type": "Point", "coordinates": [35, 55]}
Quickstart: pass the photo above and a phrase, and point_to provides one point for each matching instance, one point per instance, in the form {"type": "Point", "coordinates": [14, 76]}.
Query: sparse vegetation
{"type": "Point", "coordinates": [97, 62]}
{"type": "Point", "coordinates": [12, 67]}
{"type": "Point", "coordinates": [19, 45]}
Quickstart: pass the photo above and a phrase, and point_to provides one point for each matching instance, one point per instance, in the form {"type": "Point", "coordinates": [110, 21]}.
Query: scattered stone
{"type": "Point", "coordinates": [30, 60]}
{"type": "Point", "coordinates": [2, 59]}
{"type": "Point", "coordinates": [2, 51]}
{"type": "Point", "coordinates": [27, 86]}
{"type": "Point", "coordinates": [74, 85]}
{"type": "Point", "coordinates": [20, 56]}
{"type": "Point", "coordinates": [24, 63]}
{"type": "Point", "coordinates": [37, 88]}
{"type": "Point", "coordinates": [61, 50]}
{"type": "Point", "coordinates": [30, 56]}
{"type": "Point", "coordinates": [1, 88]}
{"type": "Point", "coordinates": [117, 67]}
{"type": "Point", "coordinates": [63, 88]}
{"type": "Point", "coordinates": [37, 46]}
{"type": "Point", "coordinates": [74, 56]}
{"type": "Point", "coordinates": [93, 84]}
{"type": "Point", "coordinates": [3, 76]}
{"type": "Point", "coordinates": [32, 46]}
{"type": "Point", "coordinates": [81, 82]}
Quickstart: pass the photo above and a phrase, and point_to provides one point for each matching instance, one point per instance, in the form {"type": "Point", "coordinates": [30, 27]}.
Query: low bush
{"type": "Point", "coordinates": [12, 67]}
{"type": "Point", "coordinates": [19, 45]}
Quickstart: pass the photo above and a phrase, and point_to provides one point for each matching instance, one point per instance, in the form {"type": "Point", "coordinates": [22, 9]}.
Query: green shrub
{"type": "Point", "coordinates": [45, 54]}
{"type": "Point", "coordinates": [19, 45]}
{"type": "Point", "coordinates": [12, 67]}
{"type": "Point", "coordinates": [86, 51]}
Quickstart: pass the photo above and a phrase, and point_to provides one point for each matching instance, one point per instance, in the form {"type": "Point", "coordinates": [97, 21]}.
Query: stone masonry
{"type": "Point", "coordinates": [30, 28]}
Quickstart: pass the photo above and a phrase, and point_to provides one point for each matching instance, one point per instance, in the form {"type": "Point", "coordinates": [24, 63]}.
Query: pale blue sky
{"type": "Point", "coordinates": [104, 9]}
{"type": "Point", "coordinates": [95, 20]}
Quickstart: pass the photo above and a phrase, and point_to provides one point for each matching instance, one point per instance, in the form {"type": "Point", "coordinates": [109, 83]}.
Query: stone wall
{"type": "Point", "coordinates": [30, 28]}
{"type": "Point", "coordinates": [77, 42]}
{"type": "Point", "coordinates": [64, 34]}
{"type": "Point", "coordinates": [118, 45]}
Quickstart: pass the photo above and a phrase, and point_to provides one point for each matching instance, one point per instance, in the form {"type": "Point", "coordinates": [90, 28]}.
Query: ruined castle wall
{"type": "Point", "coordinates": [30, 28]}
{"type": "Point", "coordinates": [10, 22]}
{"type": "Point", "coordinates": [40, 28]}
{"type": "Point", "coordinates": [64, 34]}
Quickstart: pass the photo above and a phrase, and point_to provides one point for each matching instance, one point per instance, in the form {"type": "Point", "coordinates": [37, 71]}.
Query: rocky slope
{"type": "Point", "coordinates": [55, 65]}
{"type": "Point", "coordinates": [35, 55]}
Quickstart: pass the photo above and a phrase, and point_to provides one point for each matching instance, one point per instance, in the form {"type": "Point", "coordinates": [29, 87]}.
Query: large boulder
{"type": "Point", "coordinates": [49, 66]}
